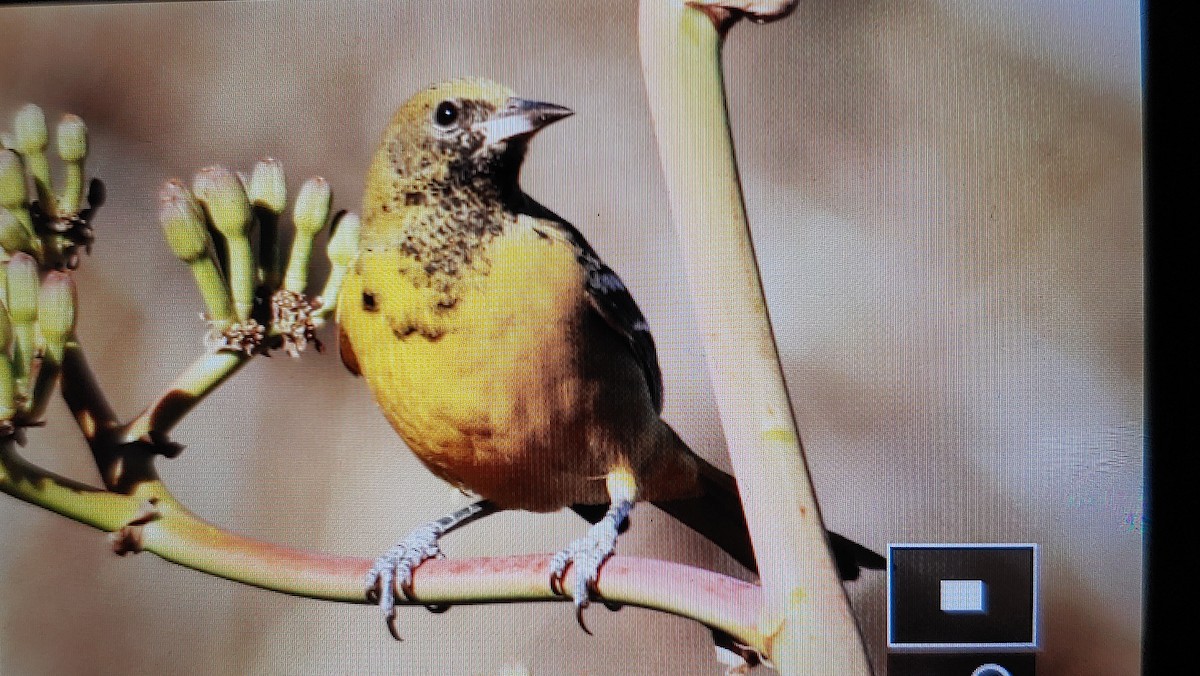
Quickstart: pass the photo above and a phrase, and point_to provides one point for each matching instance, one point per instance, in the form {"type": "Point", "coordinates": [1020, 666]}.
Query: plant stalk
{"type": "Point", "coordinates": [807, 626]}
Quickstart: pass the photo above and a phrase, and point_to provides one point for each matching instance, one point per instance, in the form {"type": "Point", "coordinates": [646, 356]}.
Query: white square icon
{"type": "Point", "coordinates": [964, 596]}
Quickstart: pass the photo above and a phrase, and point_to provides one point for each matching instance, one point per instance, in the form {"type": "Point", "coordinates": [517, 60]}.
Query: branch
{"type": "Point", "coordinates": [203, 376]}
{"type": "Point", "coordinates": [151, 519]}
{"type": "Point", "coordinates": [813, 629]}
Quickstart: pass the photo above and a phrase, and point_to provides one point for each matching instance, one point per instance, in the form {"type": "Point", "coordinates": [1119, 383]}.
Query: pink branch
{"type": "Point", "coordinates": [713, 599]}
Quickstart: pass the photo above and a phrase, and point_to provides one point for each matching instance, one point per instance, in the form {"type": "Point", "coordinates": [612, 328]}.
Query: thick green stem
{"type": "Point", "coordinates": [189, 389]}
{"type": "Point", "coordinates": [212, 287]}
{"type": "Point", "coordinates": [298, 263]}
{"type": "Point", "coordinates": [39, 169]}
{"type": "Point", "coordinates": [807, 626]}
{"type": "Point", "coordinates": [72, 193]}
{"type": "Point", "coordinates": [243, 275]}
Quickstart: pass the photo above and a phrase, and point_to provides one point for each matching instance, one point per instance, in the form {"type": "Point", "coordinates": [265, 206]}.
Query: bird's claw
{"type": "Point", "coordinates": [587, 554]}
{"type": "Point", "coordinates": [397, 565]}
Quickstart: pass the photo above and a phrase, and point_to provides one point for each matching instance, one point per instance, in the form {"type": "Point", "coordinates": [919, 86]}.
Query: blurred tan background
{"type": "Point", "coordinates": [946, 199]}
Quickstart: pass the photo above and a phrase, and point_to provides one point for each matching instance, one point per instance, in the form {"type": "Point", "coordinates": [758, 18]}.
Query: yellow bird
{"type": "Point", "coordinates": [507, 355]}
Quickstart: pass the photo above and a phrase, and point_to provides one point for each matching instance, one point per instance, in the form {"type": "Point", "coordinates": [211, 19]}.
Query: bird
{"type": "Point", "coordinates": [508, 356]}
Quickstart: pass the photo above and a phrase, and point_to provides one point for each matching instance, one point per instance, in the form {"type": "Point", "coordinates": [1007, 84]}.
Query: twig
{"type": "Point", "coordinates": [203, 376]}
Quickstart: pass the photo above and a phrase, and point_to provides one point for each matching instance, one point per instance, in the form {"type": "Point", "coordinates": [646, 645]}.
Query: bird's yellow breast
{"type": "Point", "coordinates": [481, 376]}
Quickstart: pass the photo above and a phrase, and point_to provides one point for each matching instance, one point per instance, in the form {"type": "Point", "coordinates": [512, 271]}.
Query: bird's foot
{"type": "Point", "coordinates": [587, 554]}
{"type": "Point", "coordinates": [397, 565]}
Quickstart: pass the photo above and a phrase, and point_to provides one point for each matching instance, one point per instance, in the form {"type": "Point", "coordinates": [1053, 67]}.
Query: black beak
{"type": "Point", "coordinates": [520, 117]}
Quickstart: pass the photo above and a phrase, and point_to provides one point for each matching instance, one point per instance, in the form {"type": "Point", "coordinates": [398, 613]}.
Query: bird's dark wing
{"type": "Point", "coordinates": [610, 299]}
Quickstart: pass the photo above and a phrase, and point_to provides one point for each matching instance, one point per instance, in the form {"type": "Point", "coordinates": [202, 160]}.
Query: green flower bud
{"type": "Point", "coordinates": [312, 206]}
{"type": "Point", "coordinates": [342, 250]}
{"type": "Point", "coordinates": [22, 288]}
{"type": "Point", "coordinates": [222, 195]}
{"type": "Point", "coordinates": [56, 323]}
{"type": "Point", "coordinates": [23, 311]}
{"type": "Point", "coordinates": [13, 193]}
{"type": "Point", "coordinates": [14, 196]}
{"type": "Point", "coordinates": [72, 139]}
{"type": "Point", "coordinates": [229, 210]}
{"type": "Point", "coordinates": [32, 137]}
{"type": "Point", "coordinates": [72, 148]}
{"type": "Point", "coordinates": [268, 192]}
{"type": "Point", "coordinates": [13, 236]}
{"type": "Point", "coordinates": [56, 311]}
{"type": "Point", "coordinates": [183, 224]}
{"type": "Point", "coordinates": [267, 185]}
{"type": "Point", "coordinates": [182, 221]}
{"type": "Point", "coordinates": [343, 246]}
{"type": "Point", "coordinates": [30, 128]}
{"type": "Point", "coordinates": [309, 214]}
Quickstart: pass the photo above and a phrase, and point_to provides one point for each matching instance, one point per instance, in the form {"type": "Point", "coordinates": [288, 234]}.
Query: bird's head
{"type": "Point", "coordinates": [458, 134]}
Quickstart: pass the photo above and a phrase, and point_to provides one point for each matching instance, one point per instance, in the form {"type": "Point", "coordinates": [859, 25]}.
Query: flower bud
{"type": "Point", "coordinates": [267, 186]}
{"type": "Point", "coordinates": [23, 288]}
{"type": "Point", "coordinates": [13, 193]}
{"type": "Point", "coordinates": [13, 236]}
{"type": "Point", "coordinates": [183, 225]}
{"type": "Point", "coordinates": [229, 209]}
{"type": "Point", "coordinates": [312, 206]}
{"type": "Point", "coordinates": [223, 196]}
{"type": "Point", "coordinates": [182, 221]}
{"type": "Point", "coordinates": [309, 214]}
{"type": "Point", "coordinates": [342, 250]}
{"type": "Point", "coordinates": [56, 310]}
{"type": "Point", "coordinates": [343, 246]}
{"type": "Point", "coordinates": [30, 129]}
{"type": "Point", "coordinates": [72, 139]}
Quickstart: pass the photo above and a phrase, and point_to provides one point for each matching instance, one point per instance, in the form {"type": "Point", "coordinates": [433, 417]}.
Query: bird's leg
{"type": "Point", "coordinates": [417, 547]}
{"type": "Point", "coordinates": [590, 552]}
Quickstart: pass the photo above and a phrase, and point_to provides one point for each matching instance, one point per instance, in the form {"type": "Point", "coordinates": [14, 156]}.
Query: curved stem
{"type": "Point", "coordinates": [166, 528]}
{"type": "Point", "coordinates": [812, 629]}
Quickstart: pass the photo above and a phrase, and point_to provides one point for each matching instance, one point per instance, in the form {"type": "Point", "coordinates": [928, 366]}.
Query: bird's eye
{"type": "Point", "coordinates": [446, 114]}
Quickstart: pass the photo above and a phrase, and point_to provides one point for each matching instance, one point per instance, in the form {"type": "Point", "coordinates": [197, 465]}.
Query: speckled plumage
{"type": "Point", "coordinates": [511, 360]}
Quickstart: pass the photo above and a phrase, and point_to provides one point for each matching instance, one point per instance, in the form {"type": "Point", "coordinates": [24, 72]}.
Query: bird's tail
{"type": "Point", "coordinates": [717, 514]}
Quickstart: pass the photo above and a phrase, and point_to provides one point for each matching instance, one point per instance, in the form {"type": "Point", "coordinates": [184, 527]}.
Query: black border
{"type": "Point", "coordinates": [1171, 83]}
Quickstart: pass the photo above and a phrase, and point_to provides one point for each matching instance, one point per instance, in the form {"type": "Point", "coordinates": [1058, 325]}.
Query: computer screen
{"type": "Point", "coordinates": [946, 206]}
